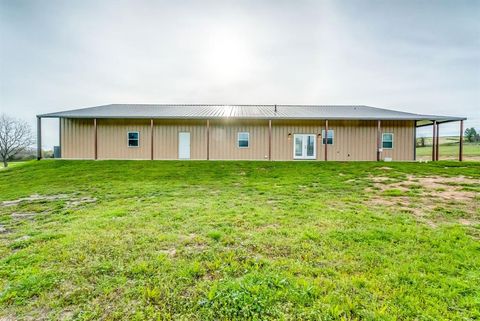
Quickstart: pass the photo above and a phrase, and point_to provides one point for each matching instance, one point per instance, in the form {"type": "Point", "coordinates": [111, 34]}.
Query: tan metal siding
{"type": "Point", "coordinates": [403, 139]}
{"type": "Point", "coordinates": [77, 138]}
{"type": "Point", "coordinates": [224, 144]}
{"type": "Point", "coordinates": [282, 144]}
{"type": "Point", "coordinates": [165, 138]}
{"type": "Point", "coordinates": [353, 139]}
{"type": "Point", "coordinates": [112, 139]}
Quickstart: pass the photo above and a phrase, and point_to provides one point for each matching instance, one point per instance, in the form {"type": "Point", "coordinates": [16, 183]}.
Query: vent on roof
{"type": "Point", "coordinates": [275, 107]}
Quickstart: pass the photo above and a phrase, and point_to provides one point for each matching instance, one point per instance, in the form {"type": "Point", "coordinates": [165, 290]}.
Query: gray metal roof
{"type": "Point", "coordinates": [166, 111]}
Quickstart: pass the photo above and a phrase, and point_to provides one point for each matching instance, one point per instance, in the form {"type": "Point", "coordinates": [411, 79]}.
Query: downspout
{"type": "Point", "coordinates": [378, 139]}
{"type": "Point", "coordinates": [95, 139]}
{"type": "Point", "coordinates": [326, 139]}
{"type": "Point", "coordinates": [270, 139]}
{"type": "Point", "coordinates": [208, 139]}
{"type": "Point", "coordinates": [151, 139]}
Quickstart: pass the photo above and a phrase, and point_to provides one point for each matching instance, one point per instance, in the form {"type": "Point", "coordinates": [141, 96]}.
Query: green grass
{"type": "Point", "coordinates": [141, 240]}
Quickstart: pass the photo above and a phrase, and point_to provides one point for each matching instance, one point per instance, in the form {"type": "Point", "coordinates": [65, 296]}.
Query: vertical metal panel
{"type": "Point", "coordinates": [282, 143]}
{"type": "Point", "coordinates": [77, 138]}
{"type": "Point", "coordinates": [113, 142]}
{"type": "Point", "coordinates": [353, 139]}
{"type": "Point", "coordinates": [270, 138]}
{"type": "Point", "coordinates": [166, 138]}
{"type": "Point", "coordinates": [224, 144]}
{"type": "Point", "coordinates": [403, 134]}
{"type": "Point", "coordinates": [208, 139]}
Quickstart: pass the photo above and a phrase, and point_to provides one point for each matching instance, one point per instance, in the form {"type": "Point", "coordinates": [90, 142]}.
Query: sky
{"type": "Point", "coordinates": [415, 56]}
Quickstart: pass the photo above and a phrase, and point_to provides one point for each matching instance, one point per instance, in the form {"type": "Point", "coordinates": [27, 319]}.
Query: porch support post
{"type": "Point", "coordinates": [151, 139]}
{"type": "Point", "coordinates": [437, 143]}
{"type": "Point", "coordinates": [60, 135]}
{"type": "Point", "coordinates": [460, 152]}
{"type": "Point", "coordinates": [415, 141]}
{"type": "Point", "coordinates": [39, 138]}
{"type": "Point", "coordinates": [379, 135]}
{"type": "Point", "coordinates": [208, 139]}
{"type": "Point", "coordinates": [434, 140]}
{"type": "Point", "coordinates": [269, 139]}
{"type": "Point", "coordinates": [326, 139]}
{"type": "Point", "coordinates": [95, 139]}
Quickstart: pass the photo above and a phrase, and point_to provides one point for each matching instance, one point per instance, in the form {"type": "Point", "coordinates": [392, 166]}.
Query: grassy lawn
{"type": "Point", "coordinates": [141, 240]}
{"type": "Point", "coordinates": [13, 164]}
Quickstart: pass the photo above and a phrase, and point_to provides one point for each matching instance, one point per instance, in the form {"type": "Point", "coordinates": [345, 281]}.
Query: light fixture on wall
{"type": "Point", "coordinates": [289, 136]}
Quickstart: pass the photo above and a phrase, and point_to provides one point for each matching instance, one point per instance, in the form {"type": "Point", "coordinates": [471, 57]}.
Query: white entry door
{"type": "Point", "coordinates": [305, 146]}
{"type": "Point", "coordinates": [184, 145]}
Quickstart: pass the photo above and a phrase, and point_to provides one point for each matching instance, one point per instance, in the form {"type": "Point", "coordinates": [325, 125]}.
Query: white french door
{"type": "Point", "coordinates": [305, 146]}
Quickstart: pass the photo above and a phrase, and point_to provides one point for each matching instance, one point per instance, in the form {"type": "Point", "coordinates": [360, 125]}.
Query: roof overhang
{"type": "Point", "coordinates": [248, 112]}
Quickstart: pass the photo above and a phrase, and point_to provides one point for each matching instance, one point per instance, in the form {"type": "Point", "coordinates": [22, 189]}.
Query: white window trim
{"type": "Point", "coordinates": [138, 135]}
{"type": "Point", "coordinates": [393, 139]}
{"type": "Point", "coordinates": [333, 136]}
{"type": "Point", "coordinates": [238, 139]}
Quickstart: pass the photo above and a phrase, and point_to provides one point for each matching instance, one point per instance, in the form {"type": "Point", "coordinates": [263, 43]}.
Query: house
{"type": "Point", "coordinates": [241, 132]}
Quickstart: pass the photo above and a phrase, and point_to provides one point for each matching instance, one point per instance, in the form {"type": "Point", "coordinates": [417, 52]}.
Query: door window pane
{"type": "Point", "coordinates": [310, 145]}
{"type": "Point", "coordinates": [298, 146]}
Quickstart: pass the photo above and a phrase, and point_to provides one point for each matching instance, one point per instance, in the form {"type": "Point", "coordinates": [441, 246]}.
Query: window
{"type": "Point", "coordinates": [329, 139]}
{"type": "Point", "coordinates": [243, 140]}
{"type": "Point", "coordinates": [133, 139]}
{"type": "Point", "coordinates": [387, 140]}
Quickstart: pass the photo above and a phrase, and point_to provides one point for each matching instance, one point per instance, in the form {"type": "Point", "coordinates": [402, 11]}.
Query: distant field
{"type": "Point", "coordinates": [198, 240]}
{"type": "Point", "coordinates": [449, 148]}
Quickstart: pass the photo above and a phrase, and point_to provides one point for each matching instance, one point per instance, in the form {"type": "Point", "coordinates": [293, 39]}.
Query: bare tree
{"type": "Point", "coordinates": [15, 136]}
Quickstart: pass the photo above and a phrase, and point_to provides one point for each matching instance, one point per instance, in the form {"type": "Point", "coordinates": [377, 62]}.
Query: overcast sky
{"type": "Point", "coordinates": [416, 56]}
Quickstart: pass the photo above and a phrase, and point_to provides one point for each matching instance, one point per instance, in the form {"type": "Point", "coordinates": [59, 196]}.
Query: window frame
{"type": "Point", "coordinates": [333, 136]}
{"type": "Point", "coordinates": [248, 139]}
{"type": "Point", "coordinates": [383, 140]}
{"type": "Point", "coordinates": [128, 138]}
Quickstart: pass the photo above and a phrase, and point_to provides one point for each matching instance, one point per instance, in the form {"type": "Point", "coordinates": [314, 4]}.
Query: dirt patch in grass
{"type": "Point", "coordinates": [22, 216]}
{"type": "Point", "coordinates": [34, 198]}
{"type": "Point", "coordinates": [34, 208]}
{"type": "Point", "coordinates": [71, 200]}
{"type": "Point", "coordinates": [429, 198]}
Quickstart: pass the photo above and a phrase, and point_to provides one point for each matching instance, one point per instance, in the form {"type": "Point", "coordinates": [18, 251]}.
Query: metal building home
{"type": "Point", "coordinates": [241, 132]}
